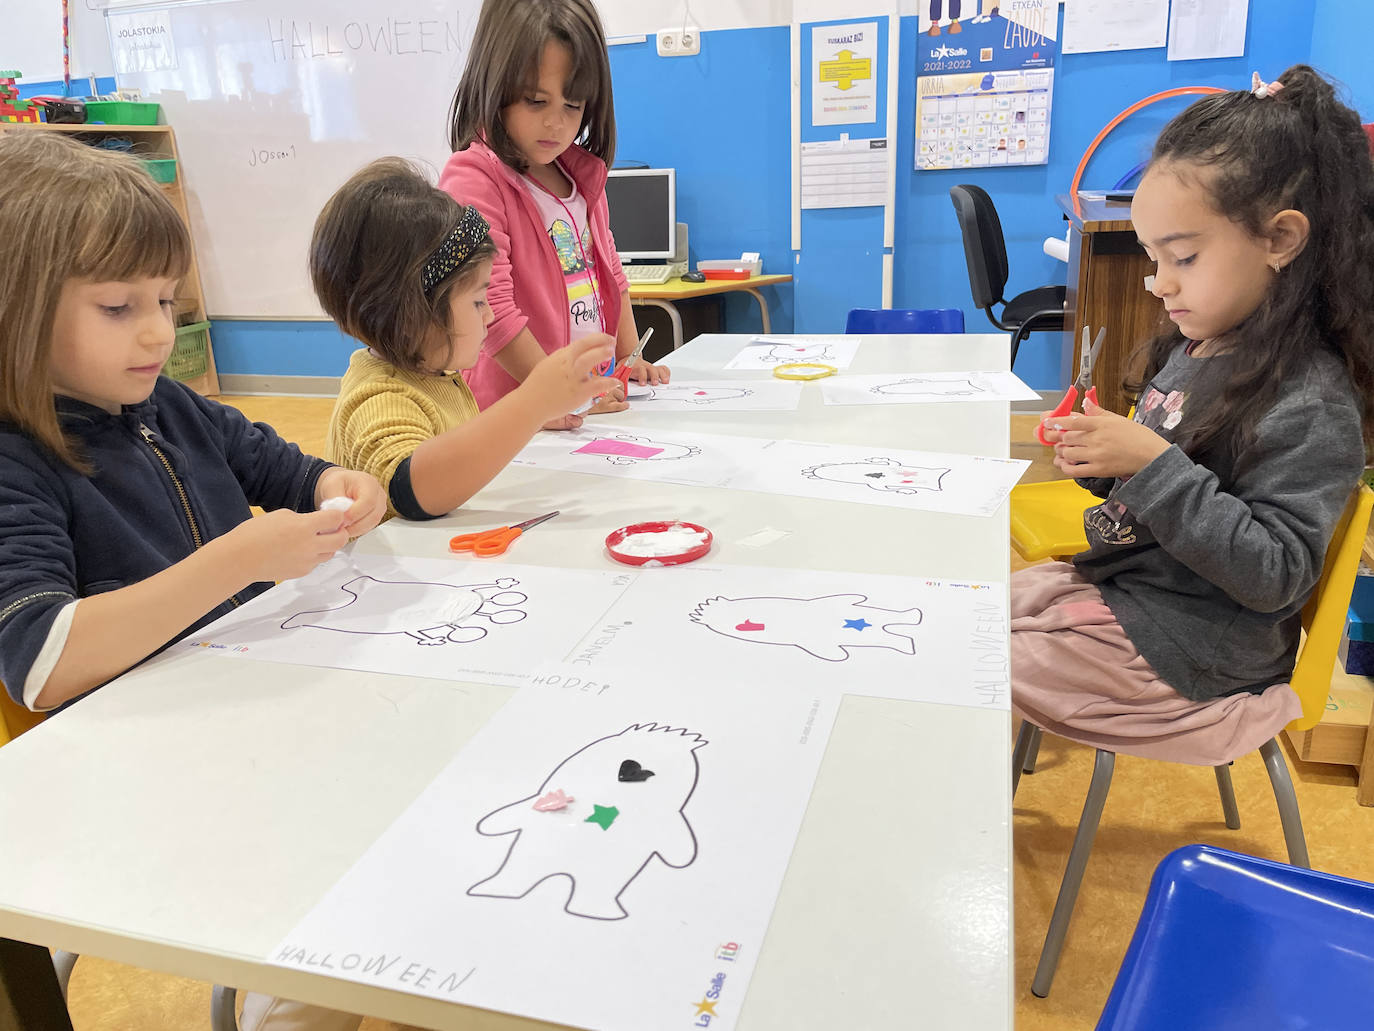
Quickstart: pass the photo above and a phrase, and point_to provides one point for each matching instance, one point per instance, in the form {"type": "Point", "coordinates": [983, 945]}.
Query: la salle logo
{"type": "Point", "coordinates": [940, 53]}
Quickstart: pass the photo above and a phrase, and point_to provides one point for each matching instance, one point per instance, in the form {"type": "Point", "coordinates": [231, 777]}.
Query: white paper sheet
{"type": "Point", "coordinates": [720, 395]}
{"type": "Point", "coordinates": [768, 353]}
{"type": "Point", "coordinates": [786, 631]}
{"type": "Point", "coordinates": [641, 904]}
{"type": "Point", "coordinates": [1095, 25]}
{"type": "Point", "coordinates": [452, 619]}
{"type": "Point", "coordinates": [893, 477]}
{"type": "Point", "coordinates": [1207, 28]}
{"type": "Point", "coordinates": [844, 173]}
{"type": "Point", "coordinates": [844, 73]}
{"type": "Point", "coordinates": [925, 388]}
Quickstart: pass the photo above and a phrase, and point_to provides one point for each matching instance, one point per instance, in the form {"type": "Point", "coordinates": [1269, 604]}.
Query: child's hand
{"type": "Point", "coordinates": [1102, 443]}
{"type": "Point", "coordinates": [367, 495]}
{"type": "Point", "coordinates": [1050, 427]}
{"type": "Point", "coordinates": [566, 380]}
{"type": "Point", "coordinates": [653, 375]}
{"type": "Point", "coordinates": [282, 545]}
{"type": "Point", "coordinates": [564, 422]}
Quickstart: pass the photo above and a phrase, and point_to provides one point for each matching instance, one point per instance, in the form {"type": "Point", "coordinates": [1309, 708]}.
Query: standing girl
{"type": "Point", "coordinates": [1250, 432]}
{"type": "Point", "coordinates": [533, 130]}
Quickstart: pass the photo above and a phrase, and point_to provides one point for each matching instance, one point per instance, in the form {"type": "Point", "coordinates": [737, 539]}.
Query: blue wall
{"type": "Point", "coordinates": [1340, 47]}
{"type": "Point", "coordinates": [723, 121]}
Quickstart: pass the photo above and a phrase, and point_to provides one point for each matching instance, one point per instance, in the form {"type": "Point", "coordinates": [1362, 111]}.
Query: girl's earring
{"type": "Point", "coordinates": [1277, 267]}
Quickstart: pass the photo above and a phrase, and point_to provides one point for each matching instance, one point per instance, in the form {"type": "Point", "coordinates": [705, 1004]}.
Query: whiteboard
{"type": "Point", "coordinates": [274, 104]}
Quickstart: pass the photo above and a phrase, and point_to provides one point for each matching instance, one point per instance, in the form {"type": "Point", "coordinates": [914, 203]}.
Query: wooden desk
{"type": "Point", "coordinates": [664, 295]}
{"type": "Point", "coordinates": [1105, 288]}
{"type": "Point", "coordinates": [185, 817]}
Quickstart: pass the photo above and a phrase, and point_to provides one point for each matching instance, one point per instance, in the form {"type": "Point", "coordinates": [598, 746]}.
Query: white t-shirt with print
{"type": "Point", "coordinates": [565, 222]}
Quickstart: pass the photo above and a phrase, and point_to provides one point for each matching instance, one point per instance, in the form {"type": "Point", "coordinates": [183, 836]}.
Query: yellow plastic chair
{"type": "Point", "coordinates": [1047, 519]}
{"type": "Point", "coordinates": [1323, 619]}
{"type": "Point", "coordinates": [14, 718]}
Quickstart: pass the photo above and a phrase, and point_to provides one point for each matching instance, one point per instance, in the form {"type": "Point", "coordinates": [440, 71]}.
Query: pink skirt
{"type": "Point", "coordinates": [1075, 674]}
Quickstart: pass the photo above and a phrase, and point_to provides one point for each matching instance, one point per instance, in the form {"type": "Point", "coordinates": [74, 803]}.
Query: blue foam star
{"type": "Point", "coordinates": [857, 624]}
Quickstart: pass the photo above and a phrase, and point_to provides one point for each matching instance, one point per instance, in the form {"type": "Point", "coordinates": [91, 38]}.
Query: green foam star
{"type": "Point", "coordinates": [604, 815]}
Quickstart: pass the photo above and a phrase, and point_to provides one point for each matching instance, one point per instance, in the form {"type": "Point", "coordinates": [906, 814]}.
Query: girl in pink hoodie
{"type": "Point", "coordinates": [537, 79]}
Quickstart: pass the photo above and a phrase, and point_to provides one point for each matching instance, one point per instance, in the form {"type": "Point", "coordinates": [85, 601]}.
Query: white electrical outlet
{"type": "Point", "coordinates": [679, 42]}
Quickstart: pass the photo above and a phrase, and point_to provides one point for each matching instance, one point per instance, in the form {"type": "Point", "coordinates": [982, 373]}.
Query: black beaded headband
{"type": "Point", "coordinates": [467, 235]}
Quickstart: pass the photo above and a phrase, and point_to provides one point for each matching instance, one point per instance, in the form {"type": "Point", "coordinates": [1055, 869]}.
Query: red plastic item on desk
{"type": "Point", "coordinates": [726, 273]}
{"type": "Point", "coordinates": [616, 537]}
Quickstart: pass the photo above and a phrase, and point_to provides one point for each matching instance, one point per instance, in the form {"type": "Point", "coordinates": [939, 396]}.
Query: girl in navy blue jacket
{"type": "Point", "coordinates": [124, 496]}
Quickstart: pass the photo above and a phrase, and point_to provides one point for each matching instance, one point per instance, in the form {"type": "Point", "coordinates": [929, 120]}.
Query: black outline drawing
{"type": "Point", "coordinates": [911, 618]}
{"type": "Point", "coordinates": [689, 450]}
{"type": "Point", "coordinates": [813, 473]}
{"type": "Point", "coordinates": [587, 909]}
{"type": "Point", "coordinates": [802, 353]}
{"type": "Point", "coordinates": [725, 393]}
{"type": "Point", "coordinates": [436, 628]}
{"type": "Point", "coordinates": [890, 389]}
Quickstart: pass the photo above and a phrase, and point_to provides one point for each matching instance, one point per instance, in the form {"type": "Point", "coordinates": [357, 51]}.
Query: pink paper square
{"type": "Point", "coordinates": [603, 446]}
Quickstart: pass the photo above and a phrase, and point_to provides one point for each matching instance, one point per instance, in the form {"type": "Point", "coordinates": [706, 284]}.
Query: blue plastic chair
{"type": "Point", "coordinates": [905, 320]}
{"type": "Point", "coordinates": [1231, 941]}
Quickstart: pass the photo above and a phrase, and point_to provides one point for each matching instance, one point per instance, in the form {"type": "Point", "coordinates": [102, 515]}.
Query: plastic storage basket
{"type": "Point", "coordinates": [163, 170]}
{"type": "Point", "coordinates": [191, 354]}
{"type": "Point", "coordinates": [122, 112]}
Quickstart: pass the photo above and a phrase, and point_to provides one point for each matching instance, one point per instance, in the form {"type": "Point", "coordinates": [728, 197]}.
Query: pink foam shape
{"type": "Point", "coordinates": [603, 446]}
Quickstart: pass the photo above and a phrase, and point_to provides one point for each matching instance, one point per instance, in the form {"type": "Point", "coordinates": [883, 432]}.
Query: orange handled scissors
{"type": "Point", "coordinates": [490, 543]}
{"type": "Point", "coordinates": [1087, 358]}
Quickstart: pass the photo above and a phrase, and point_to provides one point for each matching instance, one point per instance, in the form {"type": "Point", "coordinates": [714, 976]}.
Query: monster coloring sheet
{"type": "Point", "coordinates": [784, 631]}
{"type": "Point", "coordinates": [641, 830]}
{"type": "Point", "coordinates": [925, 388]}
{"type": "Point", "coordinates": [763, 395]}
{"type": "Point", "coordinates": [448, 619]}
{"type": "Point", "coordinates": [894, 477]}
{"type": "Point", "coordinates": [767, 353]}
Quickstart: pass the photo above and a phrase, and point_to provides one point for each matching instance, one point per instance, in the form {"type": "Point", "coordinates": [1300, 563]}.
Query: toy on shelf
{"type": "Point", "coordinates": [12, 109]}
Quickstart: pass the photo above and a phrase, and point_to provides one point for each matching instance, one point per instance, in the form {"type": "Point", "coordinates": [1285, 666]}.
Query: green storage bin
{"type": "Point", "coordinates": [122, 112]}
{"type": "Point", "coordinates": [190, 357]}
{"type": "Point", "coordinates": [163, 170]}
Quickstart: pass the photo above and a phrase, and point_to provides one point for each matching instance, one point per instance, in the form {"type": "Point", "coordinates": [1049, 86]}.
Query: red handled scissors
{"type": "Point", "coordinates": [1087, 358]}
{"type": "Point", "coordinates": [490, 543]}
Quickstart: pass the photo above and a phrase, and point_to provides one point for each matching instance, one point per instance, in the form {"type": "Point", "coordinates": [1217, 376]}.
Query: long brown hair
{"type": "Point", "coordinates": [504, 60]}
{"type": "Point", "coordinates": [1299, 148]}
{"type": "Point", "coordinates": [69, 212]}
{"type": "Point", "coordinates": [370, 244]}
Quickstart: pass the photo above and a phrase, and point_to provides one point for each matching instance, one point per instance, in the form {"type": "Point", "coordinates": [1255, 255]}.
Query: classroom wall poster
{"type": "Point", "coordinates": [985, 82]}
{"type": "Point", "coordinates": [844, 70]}
{"type": "Point", "coordinates": [142, 41]}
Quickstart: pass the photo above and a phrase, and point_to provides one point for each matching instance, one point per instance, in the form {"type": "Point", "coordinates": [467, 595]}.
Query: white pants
{"type": "Point", "coordinates": [268, 1013]}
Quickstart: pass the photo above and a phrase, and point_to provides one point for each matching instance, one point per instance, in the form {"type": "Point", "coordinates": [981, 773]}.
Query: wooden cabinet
{"type": "Point", "coordinates": [157, 143]}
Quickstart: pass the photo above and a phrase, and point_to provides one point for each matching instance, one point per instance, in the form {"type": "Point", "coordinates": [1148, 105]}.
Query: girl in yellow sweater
{"type": "Point", "coordinates": [404, 268]}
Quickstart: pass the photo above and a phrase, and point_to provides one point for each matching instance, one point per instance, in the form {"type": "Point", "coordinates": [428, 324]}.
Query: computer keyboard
{"type": "Point", "coordinates": [647, 273]}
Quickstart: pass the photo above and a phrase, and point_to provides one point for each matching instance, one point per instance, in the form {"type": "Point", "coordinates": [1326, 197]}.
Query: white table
{"type": "Point", "coordinates": [186, 817]}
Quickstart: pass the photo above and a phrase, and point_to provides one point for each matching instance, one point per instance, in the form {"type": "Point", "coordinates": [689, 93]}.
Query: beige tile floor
{"type": "Point", "coordinates": [1153, 808]}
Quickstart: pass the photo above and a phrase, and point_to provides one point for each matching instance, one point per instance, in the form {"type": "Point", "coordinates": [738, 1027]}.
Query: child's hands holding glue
{"type": "Point", "coordinates": [1097, 442]}
{"type": "Point", "coordinates": [567, 380]}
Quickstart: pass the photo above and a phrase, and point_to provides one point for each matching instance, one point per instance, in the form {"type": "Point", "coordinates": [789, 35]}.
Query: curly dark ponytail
{"type": "Point", "coordinates": [1299, 148]}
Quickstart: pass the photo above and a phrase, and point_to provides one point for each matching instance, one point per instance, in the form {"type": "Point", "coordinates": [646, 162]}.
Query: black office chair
{"type": "Point", "coordinates": [985, 251]}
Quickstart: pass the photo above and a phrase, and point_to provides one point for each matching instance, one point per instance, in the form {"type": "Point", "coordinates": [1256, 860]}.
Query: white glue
{"type": "Point", "coordinates": [673, 541]}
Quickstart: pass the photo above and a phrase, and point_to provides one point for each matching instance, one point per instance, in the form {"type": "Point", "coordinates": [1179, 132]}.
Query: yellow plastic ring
{"type": "Point", "coordinates": [804, 370]}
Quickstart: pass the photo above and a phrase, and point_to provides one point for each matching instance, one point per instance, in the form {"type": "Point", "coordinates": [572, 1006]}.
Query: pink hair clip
{"type": "Point", "coordinates": [1263, 89]}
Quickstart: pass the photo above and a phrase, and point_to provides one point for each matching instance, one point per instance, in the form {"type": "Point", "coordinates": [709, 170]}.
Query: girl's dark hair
{"type": "Point", "coordinates": [503, 63]}
{"type": "Point", "coordinates": [370, 245]}
{"type": "Point", "coordinates": [1300, 148]}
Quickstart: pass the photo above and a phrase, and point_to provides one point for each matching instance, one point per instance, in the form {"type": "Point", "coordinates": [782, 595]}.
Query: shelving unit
{"type": "Point", "coordinates": [154, 142]}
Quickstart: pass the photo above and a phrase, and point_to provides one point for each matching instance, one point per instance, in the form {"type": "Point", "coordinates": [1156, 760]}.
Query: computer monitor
{"type": "Point", "coordinates": [643, 204]}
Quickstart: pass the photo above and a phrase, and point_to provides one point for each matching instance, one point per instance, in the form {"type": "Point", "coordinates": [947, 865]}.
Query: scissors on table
{"type": "Point", "coordinates": [1087, 358]}
{"type": "Point", "coordinates": [490, 543]}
